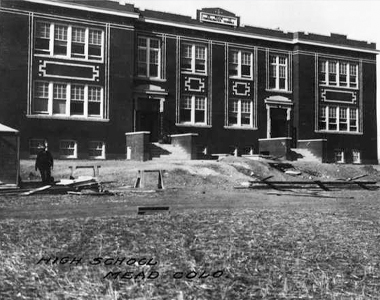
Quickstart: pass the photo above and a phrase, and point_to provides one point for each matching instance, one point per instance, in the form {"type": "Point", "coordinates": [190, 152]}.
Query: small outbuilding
{"type": "Point", "coordinates": [9, 156]}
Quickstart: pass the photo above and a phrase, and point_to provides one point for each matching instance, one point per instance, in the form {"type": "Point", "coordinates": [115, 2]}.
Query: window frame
{"type": "Point", "coordinates": [351, 70]}
{"type": "Point", "coordinates": [239, 64]}
{"type": "Point", "coordinates": [69, 100]}
{"type": "Point", "coordinates": [339, 153]}
{"type": "Point", "coordinates": [277, 74]}
{"type": "Point", "coordinates": [356, 156]}
{"type": "Point", "coordinates": [50, 51]}
{"type": "Point", "coordinates": [240, 112]}
{"type": "Point", "coordinates": [147, 61]}
{"type": "Point", "coordinates": [193, 109]}
{"type": "Point", "coordinates": [103, 150]}
{"type": "Point", "coordinates": [75, 149]}
{"type": "Point", "coordinates": [193, 58]}
{"type": "Point", "coordinates": [325, 114]}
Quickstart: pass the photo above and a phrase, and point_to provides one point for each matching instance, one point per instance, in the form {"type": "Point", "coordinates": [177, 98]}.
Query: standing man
{"type": "Point", "coordinates": [44, 163]}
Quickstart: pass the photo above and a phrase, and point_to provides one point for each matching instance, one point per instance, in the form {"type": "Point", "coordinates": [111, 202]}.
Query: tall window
{"type": "Point", "coordinates": [60, 40]}
{"type": "Point", "coordinates": [78, 42]}
{"type": "Point", "coordinates": [77, 100]}
{"type": "Point", "coordinates": [69, 41]}
{"type": "Point", "coordinates": [95, 44]}
{"type": "Point", "coordinates": [193, 110]}
{"type": "Point", "coordinates": [149, 53]}
{"type": "Point", "coordinates": [65, 99]}
{"type": "Point", "coordinates": [278, 72]}
{"type": "Point", "coordinates": [41, 97]}
{"type": "Point", "coordinates": [338, 73]}
{"type": "Point", "coordinates": [59, 98]}
{"type": "Point", "coordinates": [193, 58]}
{"type": "Point", "coordinates": [240, 64]}
{"type": "Point", "coordinates": [94, 100]}
{"type": "Point", "coordinates": [240, 113]}
{"type": "Point", "coordinates": [338, 118]}
{"type": "Point", "coordinates": [42, 42]}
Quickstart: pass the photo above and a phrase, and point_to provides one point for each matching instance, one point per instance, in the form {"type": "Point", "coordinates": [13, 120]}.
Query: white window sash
{"type": "Point", "coordinates": [69, 43]}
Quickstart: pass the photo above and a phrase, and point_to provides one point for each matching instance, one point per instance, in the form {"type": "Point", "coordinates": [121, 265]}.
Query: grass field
{"type": "Point", "coordinates": [216, 242]}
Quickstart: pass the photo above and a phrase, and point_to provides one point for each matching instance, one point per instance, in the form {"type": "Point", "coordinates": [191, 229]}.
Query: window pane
{"type": "Point", "coordinates": [94, 100]}
{"type": "Point", "coordinates": [95, 37]}
{"type": "Point", "coordinates": [154, 44]}
{"type": "Point", "coordinates": [233, 111]}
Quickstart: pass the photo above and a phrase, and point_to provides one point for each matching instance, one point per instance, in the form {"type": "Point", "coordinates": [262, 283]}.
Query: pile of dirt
{"type": "Point", "coordinates": [222, 174]}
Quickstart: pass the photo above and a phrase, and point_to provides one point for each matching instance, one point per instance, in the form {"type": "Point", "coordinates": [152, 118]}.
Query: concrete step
{"type": "Point", "coordinates": [167, 151]}
{"type": "Point", "coordinates": [305, 155]}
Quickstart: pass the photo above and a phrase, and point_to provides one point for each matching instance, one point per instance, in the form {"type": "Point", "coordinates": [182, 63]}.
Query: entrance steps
{"type": "Point", "coordinates": [304, 155]}
{"type": "Point", "coordinates": [167, 152]}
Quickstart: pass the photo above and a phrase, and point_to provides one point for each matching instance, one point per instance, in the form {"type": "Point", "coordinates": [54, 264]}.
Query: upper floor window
{"type": "Point", "coordinates": [68, 41]}
{"type": "Point", "coordinates": [240, 64]}
{"type": "Point", "coordinates": [149, 57]}
{"type": "Point", "coordinates": [278, 72]}
{"type": "Point", "coordinates": [338, 73]}
{"type": "Point", "coordinates": [66, 99]}
{"type": "Point", "coordinates": [194, 58]}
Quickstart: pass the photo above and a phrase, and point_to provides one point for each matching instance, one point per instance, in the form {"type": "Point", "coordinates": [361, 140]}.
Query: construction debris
{"type": "Point", "coordinates": [350, 183]}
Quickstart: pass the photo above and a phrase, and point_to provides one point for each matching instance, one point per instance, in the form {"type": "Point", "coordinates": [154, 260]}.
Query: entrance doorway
{"type": "Point", "coordinates": [149, 121]}
{"type": "Point", "coordinates": [279, 123]}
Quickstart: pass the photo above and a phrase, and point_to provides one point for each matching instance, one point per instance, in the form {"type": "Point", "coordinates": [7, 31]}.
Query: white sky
{"type": "Point", "coordinates": [358, 19]}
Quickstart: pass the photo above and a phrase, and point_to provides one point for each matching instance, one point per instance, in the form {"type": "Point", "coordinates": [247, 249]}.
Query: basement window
{"type": "Point", "coordinates": [339, 156]}
{"type": "Point", "coordinates": [68, 149]}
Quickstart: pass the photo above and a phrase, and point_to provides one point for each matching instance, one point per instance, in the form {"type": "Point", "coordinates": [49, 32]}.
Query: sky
{"type": "Point", "coordinates": [358, 19]}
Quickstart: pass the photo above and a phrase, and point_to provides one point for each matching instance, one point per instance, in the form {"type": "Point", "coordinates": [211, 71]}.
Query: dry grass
{"type": "Point", "coordinates": [264, 254]}
{"type": "Point", "coordinates": [292, 249]}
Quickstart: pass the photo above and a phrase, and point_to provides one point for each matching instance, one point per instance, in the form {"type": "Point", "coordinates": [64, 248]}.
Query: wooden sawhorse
{"type": "Point", "coordinates": [94, 168]}
{"type": "Point", "coordinates": [140, 180]}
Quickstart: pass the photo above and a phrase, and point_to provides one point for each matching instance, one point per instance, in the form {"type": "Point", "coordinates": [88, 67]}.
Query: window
{"type": "Point", "coordinates": [353, 119]}
{"type": "Point", "coordinates": [343, 74]}
{"type": "Point", "coordinates": [41, 99]}
{"type": "Point", "coordinates": [353, 76]}
{"type": "Point", "coordinates": [42, 42]}
{"type": "Point", "coordinates": [332, 125]}
{"type": "Point", "coordinates": [96, 149]}
{"type": "Point", "coordinates": [94, 100]}
{"type": "Point", "coordinates": [77, 100]}
{"type": "Point", "coordinates": [68, 149]}
{"type": "Point", "coordinates": [95, 44]}
{"type": "Point", "coordinates": [338, 118]}
{"type": "Point", "coordinates": [339, 156]}
{"type": "Point", "coordinates": [78, 42]}
{"type": "Point", "coordinates": [343, 119]}
{"type": "Point", "coordinates": [356, 156]}
{"type": "Point", "coordinates": [248, 150]}
{"type": "Point", "coordinates": [193, 58]}
{"type": "Point", "coordinates": [240, 64]}
{"type": "Point", "coordinates": [68, 41]}
{"type": "Point", "coordinates": [149, 53]}
{"type": "Point", "coordinates": [240, 113]}
{"type": "Point", "coordinates": [193, 110]}
{"type": "Point", "coordinates": [59, 98]}
{"type": "Point", "coordinates": [278, 72]}
{"type": "Point", "coordinates": [322, 119]}
{"type": "Point", "coordinates": [347, 76]}
{"type": "Point", "coordinates": [34, 145]}
{"type": "Point", "coordinates": [66, 99]}
{"type": "Point", "coordinates": [332, 72]}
